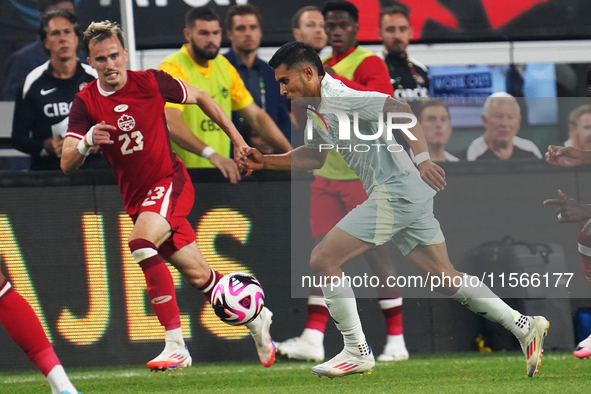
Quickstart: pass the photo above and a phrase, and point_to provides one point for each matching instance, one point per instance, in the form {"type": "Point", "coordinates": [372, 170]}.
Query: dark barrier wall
{"type": "Point", "coordinates": [63, 245]}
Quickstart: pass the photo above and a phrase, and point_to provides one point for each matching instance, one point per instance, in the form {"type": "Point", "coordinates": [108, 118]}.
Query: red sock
{"type": "Point", "coordinates": [161, 289]}
{"type": "Point", "coordinates": [585, 253]}
{"type": "Point", "coordinates": [392, 309]}
{"type": "Point", "coordinates": [317, 313]}
{"type": "Point", "coordinates": [213, 280]}
{"type": "Point", "coordinates": [23, 326]}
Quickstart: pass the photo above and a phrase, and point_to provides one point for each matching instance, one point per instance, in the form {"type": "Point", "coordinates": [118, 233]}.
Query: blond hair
{"type": "Point", "coordinates": [97, 32]}
{"type": "Point", "coordinates": [576, 114]}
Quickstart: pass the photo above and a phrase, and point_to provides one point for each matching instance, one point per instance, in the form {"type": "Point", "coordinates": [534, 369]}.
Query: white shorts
{"type": "Point", "coordinates": [407, 224]}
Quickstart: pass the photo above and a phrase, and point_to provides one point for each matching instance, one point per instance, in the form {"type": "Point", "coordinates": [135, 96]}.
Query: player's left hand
{"type": "Point", "coordinates": [433, 175]}
{"type": "Point", "coordinates": [569, 209]}
{"type": "Point", "coordinates": [227, 167]}
{"type": "Point", "coordinates": [240, 153]}
{"type": "Point", "coordinates": [254, 160]}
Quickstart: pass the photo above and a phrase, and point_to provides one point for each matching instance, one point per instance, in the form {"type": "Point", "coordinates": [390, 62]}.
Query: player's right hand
{"type": "Point", "coordinates": [254, 160]}
{"type": "Point", "coordinates": [101, 134]}
{"type": "Point", "coordinates": [227, 167]}
{"type": "Point", "coordinates": [564, 156]}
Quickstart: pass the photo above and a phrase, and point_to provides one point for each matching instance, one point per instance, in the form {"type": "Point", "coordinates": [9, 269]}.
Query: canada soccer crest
{"type": "Point", "coordinates": [126, 123]}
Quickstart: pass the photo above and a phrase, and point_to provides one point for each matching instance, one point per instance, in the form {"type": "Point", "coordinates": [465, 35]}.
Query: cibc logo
{"type": "Point", "coordinates": [345, 130]}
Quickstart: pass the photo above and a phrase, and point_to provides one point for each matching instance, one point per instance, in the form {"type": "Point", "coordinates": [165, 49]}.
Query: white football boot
{"type": "Point", "coordinates": [395, 349]}
{"type": "Point", "coordinates": [172, 357]}
{"type": "Point", "coordinates": [348, 362]}
{"type": "Point", "coordinates": [262, 337]}
{"type": "Point", "coordinates": [299, 348]}
{"type": "Point", "coordinates": [532, 343]}
{"type": "Point", "coordinates": [583, 349]}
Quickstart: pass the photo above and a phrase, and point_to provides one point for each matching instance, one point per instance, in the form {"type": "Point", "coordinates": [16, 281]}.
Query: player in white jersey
{"type": "Point", "coordinates": [399, 208]}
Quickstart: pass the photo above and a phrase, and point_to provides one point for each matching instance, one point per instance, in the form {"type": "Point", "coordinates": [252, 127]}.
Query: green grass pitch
{"type": "Point", "coordinates": [455, 373]}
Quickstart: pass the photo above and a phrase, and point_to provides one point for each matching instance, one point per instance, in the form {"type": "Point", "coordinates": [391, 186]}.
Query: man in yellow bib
{"type": "Point", "coordinates": [196, 139]}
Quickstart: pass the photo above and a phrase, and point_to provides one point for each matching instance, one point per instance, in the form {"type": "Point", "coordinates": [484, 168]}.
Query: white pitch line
{"type": "Point", "coordinates": [128, 374]}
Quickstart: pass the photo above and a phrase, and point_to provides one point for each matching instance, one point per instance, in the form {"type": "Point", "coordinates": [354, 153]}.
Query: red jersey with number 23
{"type": "Point", "coordinates": [141, 154]}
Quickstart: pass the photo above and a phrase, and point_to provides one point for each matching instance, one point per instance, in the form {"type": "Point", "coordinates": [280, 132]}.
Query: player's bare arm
{"type": "Point", "coordinates": [264, 126]}
{"type": "Point", "coordinates": [431, 173]}
{"type": "Point", "coordinates": [569, 210]}
{"type": "Point", "coordinates": [567, 156]}
{"type": "Point", "coordinates": [215, 112]}
{"type": "Point", "coordinates": [72, 157]}
{"type": "Point", "coordinates": [299, 159]}
{"type": "Point", "coordinates": [182, 135]}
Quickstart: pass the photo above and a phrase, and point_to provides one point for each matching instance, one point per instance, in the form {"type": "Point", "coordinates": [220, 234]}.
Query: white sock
{"type": "Point", "coordinates": [396, 341]}
{"type": "Point", "coordinates": [175, 338]}
{"type": "Point", "coordinates": [313, 337]}
{"type": "Point", "coordinates": [59, 382]}
{"type": "Point", "coordinates": [482, 301]}
{"type": "Point", "coordinates": [343, 310]}
{"type": "Point", "coordinates": [255, 325]}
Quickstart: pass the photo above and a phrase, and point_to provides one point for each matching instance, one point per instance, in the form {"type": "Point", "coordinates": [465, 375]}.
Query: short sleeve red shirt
{"type": "Point", "coordinates": [141, 154]}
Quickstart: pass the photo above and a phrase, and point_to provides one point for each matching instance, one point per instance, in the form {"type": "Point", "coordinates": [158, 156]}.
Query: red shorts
{"type": "Point", "coordinates": [331, 200]}
{"type": "Point", "coordinates": [172, 197]}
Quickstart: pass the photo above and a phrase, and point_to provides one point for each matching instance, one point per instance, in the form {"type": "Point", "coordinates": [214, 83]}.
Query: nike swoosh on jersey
{"type": "Point", "coordinates": [46, 92]}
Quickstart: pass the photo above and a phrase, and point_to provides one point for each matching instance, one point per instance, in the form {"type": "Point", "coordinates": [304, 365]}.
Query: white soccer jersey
{"type": "Point", "coordinates": [385, 174]}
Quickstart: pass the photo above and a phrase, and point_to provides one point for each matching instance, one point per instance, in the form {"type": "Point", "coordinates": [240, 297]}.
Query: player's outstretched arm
{"type": "Point", "coordinates": [431, 173]}
{"type": "Point", "coordinates": [216, 113]}
{"type": "Point", "coordinates": [74, 151]}
{"type": "Point", "coordinates": [182, 135]}
{"type": "Point", "coordinates": [264, 126]}
{"type": "Point", "coordinates": [567, 156]}
{"type": "Point", "coordinates": [299, 159]}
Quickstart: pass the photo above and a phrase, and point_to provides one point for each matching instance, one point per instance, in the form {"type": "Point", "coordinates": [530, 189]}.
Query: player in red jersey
{"type": "Point", "coordinates": [24, 328]}
{"type": "Point", "coordinates": [123, 112]}
{"type": "Point", "coordinates": [570, 210]}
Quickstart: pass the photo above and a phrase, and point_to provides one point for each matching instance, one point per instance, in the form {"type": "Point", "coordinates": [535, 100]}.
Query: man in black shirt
{"type": "Point", "coordinates": [502, 120]}
{"type": "Point", "coordinates": [43, 101]}
{"type": "Point", "coordinates": [409, 78]}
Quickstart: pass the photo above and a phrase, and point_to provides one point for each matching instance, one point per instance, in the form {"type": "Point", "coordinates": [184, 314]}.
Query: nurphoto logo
{"type": "Point", "coordinates": [345, 129]}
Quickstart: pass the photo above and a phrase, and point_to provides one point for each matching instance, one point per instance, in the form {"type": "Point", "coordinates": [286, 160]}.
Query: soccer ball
{"type": "Point", "coordinates": [238, 298]}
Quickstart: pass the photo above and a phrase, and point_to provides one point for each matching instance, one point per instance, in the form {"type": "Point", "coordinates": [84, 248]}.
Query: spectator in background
{"type": "Point", "coordinates": [336, 190]}
{"type": "Point", "coordinates": [196, 139]}
{"type": "Point", "coordinates": [308, 26]}
{"type": "Point", "coordinates": [502, 121]}
{"type": "Point", "coordinates": [22, 62]}
{"type": "Point", "coordinates": [43, 101]}
{"type": "Point", "coordinates": [243, 28]}
{"type": "Point", "coordinates": [433, 115]}
{"type": "Point", "coordinates": [579, 128]}
{"type": "Point", "coordinates": [409, 78]}
{"type": "Point", "coordinates": [350, 63]}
